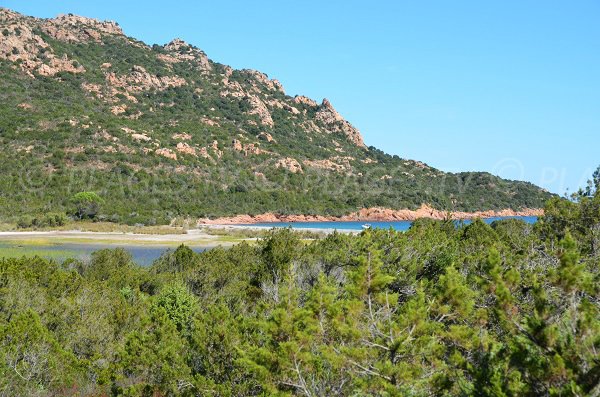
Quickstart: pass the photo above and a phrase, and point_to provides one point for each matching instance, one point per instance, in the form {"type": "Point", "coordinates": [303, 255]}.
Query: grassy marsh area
{"type": "Point", "coordinates": [99, 227]}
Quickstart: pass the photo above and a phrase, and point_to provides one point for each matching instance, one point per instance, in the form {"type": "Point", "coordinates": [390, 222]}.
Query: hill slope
{"type": "Point", "coordinates": [164, 131]}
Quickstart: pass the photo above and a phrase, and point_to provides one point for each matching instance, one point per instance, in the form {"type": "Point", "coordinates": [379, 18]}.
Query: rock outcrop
{"type": "Point", "coordinates": [28, 50]}
{"type": "Point", "coordinates": [184, 148]}
{"type": "Point", "coordinates": [166, 152]}
{"type": "Point", "coordinates": [335, 123]}
{"type": "Point", "coordinates": [118, 109]}
{"type": "Point", "coordinates": [370, 215]}
{"type": "Point", "coordinates": [182, 136]}
{"type": "Point", "coordinates": [290, 164]}
{"type": "Point", "coordinates": [237, 145]}
{"type": "Point", "coordinates": [259, 109]}
{"type": "Point", "coordinates": [180, 51]}
{"type": "Point", "coordinates": [301, 99]}
{"type": "Point", "coordinates": [276, 103]}
{"type": "Point", "coordinates": [251, 148]}
{"type": "Point", "coordinates": [272, 85]}
{"type": "Point", "coordinates": [76, 29]}
{"type": "Point", "coordinates": [333, 164]}
{"type": "Point", "coordinates": [265, 136]}
{"type": "Point", "coordinates": [136, 136]}
{"type": "Point", "coordinates": [139, 80]}
{"type": "Point", "coordinates": [247, 149]}
{"type": "Point", "coordinates": [25, 106]}
{"type": "Point", "coordinates": [62, 64]}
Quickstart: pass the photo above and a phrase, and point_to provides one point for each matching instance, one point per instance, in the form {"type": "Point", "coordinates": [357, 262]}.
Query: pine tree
{"type": "Point", "coordinates": [152, 360]}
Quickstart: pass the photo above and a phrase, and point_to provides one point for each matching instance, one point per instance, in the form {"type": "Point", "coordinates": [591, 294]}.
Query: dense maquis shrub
{"type": "Point", "coordinates": [501, 310]}
{"type": "Point", "coordinates": [46, 220]}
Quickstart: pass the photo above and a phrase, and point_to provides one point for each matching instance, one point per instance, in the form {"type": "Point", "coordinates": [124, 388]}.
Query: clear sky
{"type": "Point", "coordinates": [511, 87]}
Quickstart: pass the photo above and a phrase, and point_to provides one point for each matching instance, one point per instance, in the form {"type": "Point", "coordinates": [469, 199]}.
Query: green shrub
{"type": "Point", "coordinates": [52, 219]}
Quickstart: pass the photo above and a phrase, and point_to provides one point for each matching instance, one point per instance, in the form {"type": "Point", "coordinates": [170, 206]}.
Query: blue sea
{"type": "Point", "coordinates": [397, 225]}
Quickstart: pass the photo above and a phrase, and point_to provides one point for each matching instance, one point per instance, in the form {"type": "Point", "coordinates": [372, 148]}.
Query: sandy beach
{"type": "Point", "coordinates": [195, 237]}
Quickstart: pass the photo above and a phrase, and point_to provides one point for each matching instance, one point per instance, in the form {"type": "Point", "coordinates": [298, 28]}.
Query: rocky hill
{"type": "Point", "coordinates": [164, 131]}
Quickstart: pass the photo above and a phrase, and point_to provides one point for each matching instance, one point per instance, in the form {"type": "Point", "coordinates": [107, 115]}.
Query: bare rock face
{"type": "Point", "coordinates": [231, 88]}
{"type": "Point", "coordinates": [62, 64]}
{"type": "Point", "coordinates": [272, 85]}
{"type": "Point", "coordinates": [253, 148]}
{"type": "Point", "coordinates": [234, 89]}
{"type": "Point", "coordinates": [370, 215]}
{"type": "Point", "coordinates": [335, 164]}
{"type": "Point", "coordinates": [165, 152]}
{"type": "Point", "coordinates": [210, 122]}
{"type": "Point", "coordinates": [301, 99]}
{"type": "Point", "coordinates": [136, 136]}
{"type": "Point", "coordinates": [278, 86]}
{"type": "Point", "coordinates": [182, 136]}
{"type": "Point", "coordinates": [265, 136]}
{"type": "Point", "coordinates": [248, 148]}
{"type": "Point", "coordinates": [276, 103]}
{"type": "Point", "coordinates": [118, 109]}
{"type": "Point", "coordinates": [237, 145]}
{"type": "Point", "coordinates": [204, 154]}
{"type": "Point", "coordinates": [108, 93]}
{"type": "Point", "coordinates": [290, 164]}
{"type": "Point", "coordinates": [139, 80]}
{"type": "Point", "coordinates": [141, 137]}
{"type": "Point", "coordinates": [335, 123]}
{"type": "Point", "coordinates": [180, 51]}
{"type": "Point", "coordinates": [184, 148]}
{"type": "Point", "coordinates": [76, 29]}
{"type": "Point", "coordinates": [19, 44]}
{"type": "Point", "coordinates": [259, 108]}
{"type": "Point", "coordinates": [310, 126]}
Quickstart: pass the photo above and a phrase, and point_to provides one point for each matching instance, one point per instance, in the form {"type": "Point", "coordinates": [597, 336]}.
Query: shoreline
{"type": "Point", "coordinates": [201, 236]}
{"type": "Point", "coordinates": [375, 214]}
{"type": "Point", "coordinates": [193, 238]}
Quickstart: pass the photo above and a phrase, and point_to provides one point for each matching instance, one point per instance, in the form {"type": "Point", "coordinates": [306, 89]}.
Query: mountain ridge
{"type": "Point", "coordinates": [164, 131]}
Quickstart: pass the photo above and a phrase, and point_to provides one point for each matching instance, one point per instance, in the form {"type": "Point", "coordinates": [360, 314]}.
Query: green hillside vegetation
{"type": "Point", "coordinates": [162, 131]}
{"type": "Point", "coordinates": [510, 309]}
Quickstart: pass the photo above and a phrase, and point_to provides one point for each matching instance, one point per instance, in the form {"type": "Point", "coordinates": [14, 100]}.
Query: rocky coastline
{"type": "Point", "coordinates": [371, 215]}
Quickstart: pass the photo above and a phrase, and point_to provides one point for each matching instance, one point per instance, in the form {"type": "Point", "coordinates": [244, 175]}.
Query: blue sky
{"type": "Point", "coordinates": [510, 87]}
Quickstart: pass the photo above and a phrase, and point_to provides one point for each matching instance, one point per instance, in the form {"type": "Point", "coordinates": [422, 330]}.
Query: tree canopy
{"type": "Point", "coordinates": [507, 309]}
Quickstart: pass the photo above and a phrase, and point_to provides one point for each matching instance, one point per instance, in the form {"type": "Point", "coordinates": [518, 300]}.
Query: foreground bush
{"type": "Point", "coordinates": [503, 310]}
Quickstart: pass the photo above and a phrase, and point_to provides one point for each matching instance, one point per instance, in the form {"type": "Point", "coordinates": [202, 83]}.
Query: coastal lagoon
{"type": "Point", "coordinates": [396, 225]}
{"type": "Point", "coordinates": [143, 255]}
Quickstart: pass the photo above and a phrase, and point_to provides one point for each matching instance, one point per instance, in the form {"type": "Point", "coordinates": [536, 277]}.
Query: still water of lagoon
{"type": "Point", "coordinates": [142, 255]}
{"type": "Point", "coordinates": [145, 255]}
{"type": "Point", "coordinates": [397, 225]}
